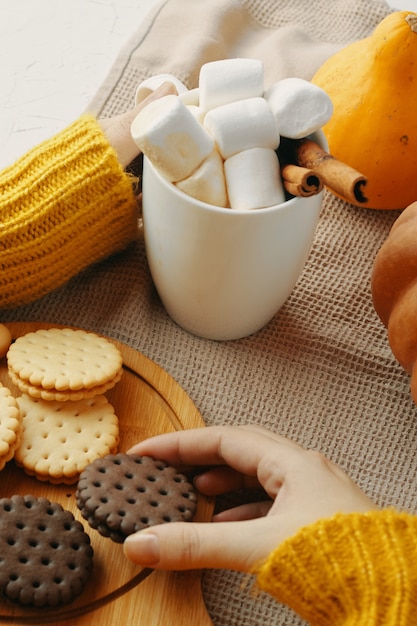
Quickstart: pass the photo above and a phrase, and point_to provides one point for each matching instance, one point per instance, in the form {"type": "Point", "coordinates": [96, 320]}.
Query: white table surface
{"type": "Point", "coordinates": [46, 78]}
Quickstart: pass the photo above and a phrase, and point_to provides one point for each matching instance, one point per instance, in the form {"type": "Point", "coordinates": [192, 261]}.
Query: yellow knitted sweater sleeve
{"type": "Point", "coordinates": [350, 570]}
{"type": "Point", "coordinates": [64, 205]}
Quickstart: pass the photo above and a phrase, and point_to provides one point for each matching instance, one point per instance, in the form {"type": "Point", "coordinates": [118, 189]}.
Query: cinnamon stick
{"type": "Point", "coordinates": [300, 181]}
{"type": "Point", "coordinates": [344, 180]}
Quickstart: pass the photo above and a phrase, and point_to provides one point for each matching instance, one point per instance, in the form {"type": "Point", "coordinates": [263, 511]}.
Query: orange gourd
{"type": "Point", "coordinates": [394, 290]}
{"type": "Point", "coordinates": [373, 86]}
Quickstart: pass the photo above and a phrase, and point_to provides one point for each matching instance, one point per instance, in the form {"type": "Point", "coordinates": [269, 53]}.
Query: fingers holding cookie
{"type": "Point", "coordinates": [229, 545]}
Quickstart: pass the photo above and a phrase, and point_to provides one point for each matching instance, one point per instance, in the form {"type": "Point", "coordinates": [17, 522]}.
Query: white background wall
{"type": "Point", "coordinates": [46, 78]}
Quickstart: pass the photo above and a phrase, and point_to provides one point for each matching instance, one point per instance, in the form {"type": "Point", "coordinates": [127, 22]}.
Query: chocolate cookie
{"type": "Point", "coordinates": [120, 494]}
{"type": "Point", "coordinates": [45, 555]}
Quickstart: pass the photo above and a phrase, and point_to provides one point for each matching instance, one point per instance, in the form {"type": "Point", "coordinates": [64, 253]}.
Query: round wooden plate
{"type": "Point", "coordinates": [147, 401]}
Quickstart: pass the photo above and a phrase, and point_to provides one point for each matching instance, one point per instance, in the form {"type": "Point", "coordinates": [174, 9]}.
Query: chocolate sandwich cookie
{"type": "Point", "coordinates": [45, 554]}
{"type": "Point", "coordinates": [120, 494]}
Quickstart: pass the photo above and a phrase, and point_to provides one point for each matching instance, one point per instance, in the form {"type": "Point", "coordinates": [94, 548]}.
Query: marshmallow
{"type": "Point", "coordinates": [253, 179]}
{"type": "Point", "coordinates": [229, 80]}
{"type": "Point", "coordinates": [197, 112]}
{"type": "Point", "coordinates": [171, 137]}
{"type": "Point", "coordinates": [207, 182]}
{"type": "Point", "coordinates": [149, 85]}
{"type": "Point", "coordinates": [241, 125]}
{"type": "Point", "coordinates": [299, 107]}
{"type": "Point", "coordinates": [191, 97]}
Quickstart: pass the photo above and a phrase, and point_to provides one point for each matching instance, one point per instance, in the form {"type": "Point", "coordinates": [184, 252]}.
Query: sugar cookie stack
{"type": "Point", "coordinates": [65, 420]}
{"type": "Point", "coordinates": [64, 364]}
{"type": "Point", "coordinates": [10, 426]}
{"type": "Point", "coordinates": [219, 143]}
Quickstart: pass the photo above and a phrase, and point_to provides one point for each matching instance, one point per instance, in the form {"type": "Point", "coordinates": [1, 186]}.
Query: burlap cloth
{"type": "Point", "coordinates": [321, 372]}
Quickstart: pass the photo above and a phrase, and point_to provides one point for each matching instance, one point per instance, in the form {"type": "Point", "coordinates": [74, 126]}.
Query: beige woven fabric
{"type": "Point", "coordinates": [321, 372]}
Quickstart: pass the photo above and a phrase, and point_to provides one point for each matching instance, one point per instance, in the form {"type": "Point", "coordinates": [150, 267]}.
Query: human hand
{"type": "Point", "coordinates": [117, 128]}
{"type": "Point", "coordinates": [301, 486]}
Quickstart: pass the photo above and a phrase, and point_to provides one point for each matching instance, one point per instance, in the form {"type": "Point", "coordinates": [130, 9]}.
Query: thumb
{"type": "Point", "coordinates": [186, 545]}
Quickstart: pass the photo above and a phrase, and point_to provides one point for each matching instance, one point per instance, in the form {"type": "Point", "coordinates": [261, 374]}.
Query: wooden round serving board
{"type": "Point", "coordinates": [147, 402]}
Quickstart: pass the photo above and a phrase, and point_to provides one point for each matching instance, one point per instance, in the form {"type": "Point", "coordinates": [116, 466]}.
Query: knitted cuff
{"type": "Point", "coordinates": [63, 206]}
{"type": "Point", "coordinates": [353, 569]}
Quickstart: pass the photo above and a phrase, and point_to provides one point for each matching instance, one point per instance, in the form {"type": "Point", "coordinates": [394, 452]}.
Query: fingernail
{"type": "Point", "coordinates": [142, 548]}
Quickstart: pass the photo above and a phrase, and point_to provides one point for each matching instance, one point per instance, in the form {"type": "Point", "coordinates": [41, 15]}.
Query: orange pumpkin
{"type": "Point", "coordinates": [394, 290]}
{"type": "Point", "coordinates": [373, 86]}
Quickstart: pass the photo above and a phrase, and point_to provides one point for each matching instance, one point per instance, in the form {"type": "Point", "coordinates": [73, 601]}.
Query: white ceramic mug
{"type": "Point", "coordinates": [223, 274]}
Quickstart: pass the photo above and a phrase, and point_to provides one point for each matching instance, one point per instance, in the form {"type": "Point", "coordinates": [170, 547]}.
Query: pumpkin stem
{"type": "Point", "coordinates": [411, 20]}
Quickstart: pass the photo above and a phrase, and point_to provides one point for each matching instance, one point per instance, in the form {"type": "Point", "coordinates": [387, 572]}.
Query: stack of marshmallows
{"type": "Point", "coordinates": [218, 143]}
